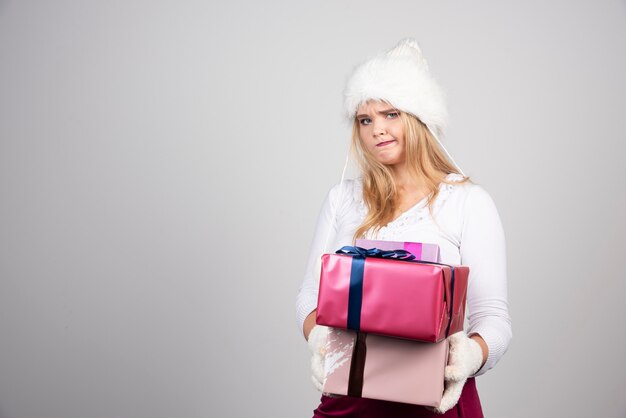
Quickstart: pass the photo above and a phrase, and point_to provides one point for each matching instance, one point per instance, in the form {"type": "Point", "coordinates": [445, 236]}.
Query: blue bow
{"type": "Point", "coordinates": [355, 294]}
{"type": "Point", "coordinates": [375, 252]}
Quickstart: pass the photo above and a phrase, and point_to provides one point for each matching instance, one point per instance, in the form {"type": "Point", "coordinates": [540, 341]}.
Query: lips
{"type": "Point", "coordinates": [382, 144]}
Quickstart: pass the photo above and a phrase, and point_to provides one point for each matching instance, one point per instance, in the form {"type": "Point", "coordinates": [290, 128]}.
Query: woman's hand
{"type": "Point", "coordinates": [317, 336]}
{"type": "Point", "coordinates": [317, 345]}
{"type": "Point", "coordinates": [466, 357]}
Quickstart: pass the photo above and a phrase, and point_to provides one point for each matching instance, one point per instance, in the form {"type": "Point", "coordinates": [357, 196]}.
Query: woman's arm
{"type": "Point", "coordinates": [325, 234]}
{"type": "Point", "coordinates": [483, 250]}
{"type": "Point", "coordinates": [483, 346]}
{"type": "Point", "coordinates": [309, 323]}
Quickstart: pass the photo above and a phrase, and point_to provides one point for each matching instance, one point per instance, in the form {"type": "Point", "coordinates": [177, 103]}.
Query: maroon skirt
{"type": "Point", "coordinates": [346, 406]}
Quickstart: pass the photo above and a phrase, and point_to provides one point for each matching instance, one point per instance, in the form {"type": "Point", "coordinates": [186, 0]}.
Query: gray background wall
{"type": "Point", "coordinates": [162, 165]}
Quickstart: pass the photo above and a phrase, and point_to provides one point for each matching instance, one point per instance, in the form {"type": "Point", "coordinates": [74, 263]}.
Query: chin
{"type": "Point", "coordinates": [389, 161]}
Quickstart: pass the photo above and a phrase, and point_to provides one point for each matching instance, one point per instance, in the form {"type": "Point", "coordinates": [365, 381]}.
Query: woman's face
{"type": "Point", "coordinates": [381, 131]}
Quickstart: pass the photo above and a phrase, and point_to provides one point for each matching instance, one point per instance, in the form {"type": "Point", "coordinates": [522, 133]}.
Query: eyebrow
{"type": "Point", "coordinates": [381, 112]}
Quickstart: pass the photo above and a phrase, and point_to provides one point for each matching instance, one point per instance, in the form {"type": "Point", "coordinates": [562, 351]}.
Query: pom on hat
{"type": "Point", "coordinates": [401, 77]}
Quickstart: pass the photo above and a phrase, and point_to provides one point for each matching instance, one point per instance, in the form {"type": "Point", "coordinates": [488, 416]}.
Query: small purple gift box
{"type": "Point", "coordinates": [421, 251]}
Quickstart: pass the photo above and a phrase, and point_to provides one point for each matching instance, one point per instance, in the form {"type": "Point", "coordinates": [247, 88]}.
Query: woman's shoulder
{"type": "Point", "coordinates": [467, 194]}
{"type": "Point", "coordinates": [350, 189]}
{"type": "Point", "coordinates": [348, 195]}
{"type": "Point", "coordinates": [473, 198]}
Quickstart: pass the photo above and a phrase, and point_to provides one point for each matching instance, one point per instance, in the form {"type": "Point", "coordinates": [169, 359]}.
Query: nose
{"type": "Point", "coordinates": [379, 128]}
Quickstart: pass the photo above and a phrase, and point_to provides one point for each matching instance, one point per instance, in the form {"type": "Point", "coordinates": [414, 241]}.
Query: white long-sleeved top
{"type": "Point", "coordinates": [466, 227]}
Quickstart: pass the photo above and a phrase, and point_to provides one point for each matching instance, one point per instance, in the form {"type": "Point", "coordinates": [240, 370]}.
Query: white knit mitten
{"type": "Point", "coordinates": [318, 338]}
{"type": "Point", "coordinates": [464, 359]}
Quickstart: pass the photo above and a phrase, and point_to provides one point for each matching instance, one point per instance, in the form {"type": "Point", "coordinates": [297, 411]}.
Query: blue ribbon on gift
{"type": "Point", "coordinates": [355, 295]}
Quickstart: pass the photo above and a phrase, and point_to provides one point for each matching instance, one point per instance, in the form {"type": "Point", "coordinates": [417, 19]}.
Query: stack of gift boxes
{"type": "Point", "coordinates": [390, 306]}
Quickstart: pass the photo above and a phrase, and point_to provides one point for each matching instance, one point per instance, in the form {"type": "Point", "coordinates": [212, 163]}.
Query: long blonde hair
{"type": "Point", "coordinates": [425, 160]}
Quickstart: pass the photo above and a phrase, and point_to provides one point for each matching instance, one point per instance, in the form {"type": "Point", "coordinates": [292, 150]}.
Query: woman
{"type": "Point", "coordinates": [411, 191]}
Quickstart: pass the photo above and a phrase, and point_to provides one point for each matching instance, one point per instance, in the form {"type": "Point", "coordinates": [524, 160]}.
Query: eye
{"type": "Point", "coordinates": [361, 121]}
{"type": "Point", "coordinates": [395, 114]}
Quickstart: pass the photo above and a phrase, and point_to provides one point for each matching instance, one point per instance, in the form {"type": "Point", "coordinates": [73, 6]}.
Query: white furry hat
{"type": "Point", "coordinates": [401, 77]}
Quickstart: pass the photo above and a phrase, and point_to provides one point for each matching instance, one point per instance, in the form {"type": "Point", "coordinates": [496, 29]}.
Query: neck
{"type": "Point", "coordinates": [403, 178]}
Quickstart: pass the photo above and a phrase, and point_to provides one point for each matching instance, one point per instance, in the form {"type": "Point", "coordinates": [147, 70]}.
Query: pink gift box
{"type": "Point", "coordinates": [421, 250]}
{"type": "Point", "coordinates": [385, 368]}
{"type": "Point", "coordinates": [415, 300]}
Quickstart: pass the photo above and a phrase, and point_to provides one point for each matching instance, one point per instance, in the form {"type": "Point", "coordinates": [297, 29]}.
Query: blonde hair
{"type": "Point", "coordinates": [425, 160]}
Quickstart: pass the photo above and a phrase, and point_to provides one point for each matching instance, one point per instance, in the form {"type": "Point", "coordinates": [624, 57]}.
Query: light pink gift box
{"type": "Point", "coordinates": [385, 368]}
{"type": "Point", "coordinates": [421, 250]}
{"type": "Point", "coordinates": [406, 299]}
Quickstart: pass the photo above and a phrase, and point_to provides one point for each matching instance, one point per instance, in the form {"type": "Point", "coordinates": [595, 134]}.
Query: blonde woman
{"type": "Point", "coordinates": [410, 189]}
